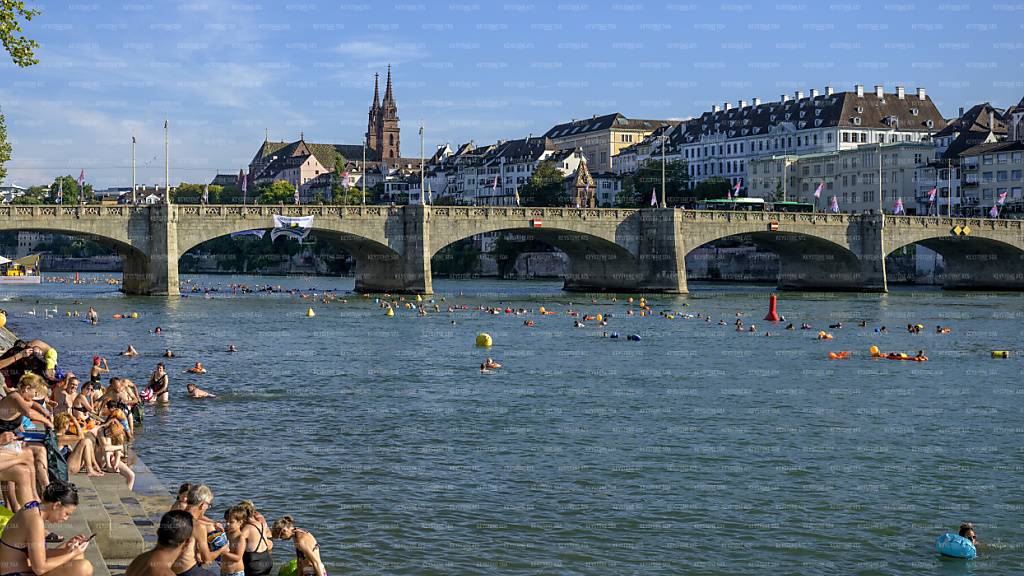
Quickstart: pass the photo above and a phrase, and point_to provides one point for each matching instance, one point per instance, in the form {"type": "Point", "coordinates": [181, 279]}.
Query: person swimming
{"type": "Point", "coordinates": [231, 348]}
{"type": "Point", "coordinates": [490, 364]}
{"type": "Point", "coordinates": [196, 392]}
{"type": "Point", "coordinates": [197, 369]}
{"type": "Point", "coordinates": [130, 351]}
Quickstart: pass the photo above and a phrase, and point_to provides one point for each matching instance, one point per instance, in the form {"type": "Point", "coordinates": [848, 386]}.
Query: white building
{"type": "Point", "coordinates": [722, 142]}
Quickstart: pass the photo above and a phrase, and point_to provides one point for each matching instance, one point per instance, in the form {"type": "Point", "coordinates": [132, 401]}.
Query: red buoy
{"type": "Point", "coordinates": [772, 316]}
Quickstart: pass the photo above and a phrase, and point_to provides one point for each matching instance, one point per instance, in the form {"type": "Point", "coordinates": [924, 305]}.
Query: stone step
{"type": "Point", "coordinates": [117, 534]}
{"type": "Point", "coordinates": [75, 525]}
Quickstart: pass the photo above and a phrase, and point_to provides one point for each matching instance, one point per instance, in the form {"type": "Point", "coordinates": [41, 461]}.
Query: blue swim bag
{"type": "Point", "coordinates": [955, 546]}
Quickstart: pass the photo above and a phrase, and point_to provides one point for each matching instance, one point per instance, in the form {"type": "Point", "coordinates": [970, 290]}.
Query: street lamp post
{"type": "Point", "coordinates": [133, 169]}
{"type": "Point", "coordinates": [423, 193]}
{"type": "Point", "coordinates": [167, 165]}
{"type": "Point", "coordinates": [363, 170]}
{"type": "Point", "coordinates": [664, 137]}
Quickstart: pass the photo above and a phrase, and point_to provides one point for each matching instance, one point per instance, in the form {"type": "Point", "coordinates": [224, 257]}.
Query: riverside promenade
{"type": "Point", "coordinates": [123, 520]}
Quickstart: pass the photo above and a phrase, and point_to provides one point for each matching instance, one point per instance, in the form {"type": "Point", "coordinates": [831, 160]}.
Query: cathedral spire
{"type": "Point", "coordinates": [388, 97]}
{"type": "Point", "coordinates": [376, 97]}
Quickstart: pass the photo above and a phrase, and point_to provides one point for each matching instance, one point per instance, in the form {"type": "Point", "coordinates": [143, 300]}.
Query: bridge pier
{"type": "Point", "coordinates": [405, 270]}
{"type": "Point", "coordinates": [662, 260]}
{"type": "Point", "coordinates": [154, 272]}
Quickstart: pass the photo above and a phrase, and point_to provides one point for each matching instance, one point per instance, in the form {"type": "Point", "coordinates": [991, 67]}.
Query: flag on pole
{"type": "Point", "coordinates": [206, 193]}
{"type": "Point", "coordinates": [654, 198]}
{"type": "Point", "coordinates": [931, 194]}
{"type": "Point", "coordinates": [817, 191]}
{"type": "Point", "coordinates": [81, 186]}
{"type": "Point", "coordinates": [994, 212]}
{"type": "Point", "coordinates": [728, 194]}
{"type": "Point", "coordinates": [516, 195]}
{"type": "Point", "coordinates": [834, 206]}
{"type": "Point", "coordinates": [60, 190]}
{"type": "Point", "coordinates": [898, 208]}
{"type": "Point", "coordinates": [495, 185]}
{"type": "Point", "coordinates": [736, 188]}
{"type": "Point", "coordinates": [243, 184]}
{"type": "Point", "coordinates": [1002, 198]}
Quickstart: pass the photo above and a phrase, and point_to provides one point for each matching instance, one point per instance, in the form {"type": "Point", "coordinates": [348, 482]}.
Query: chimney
{"type": "Point", "coordinates": [742, 103]}
{"type": "Point", "coordinates": [991, 121]}
{"type": "Point", "coordinates": [814, 92]}
{"type": "Point", "coordinates": [726, 106]}
{"type": "Point", "coordinates": [879, 91]}
{"type": "Point", "coordinates": [900, 93]}
{"type": "Point", "coordinates": [961, 112]}
{"type": "Point", "coordinates": [829, 91]}
{"type": "Point", "coordinates": [860, 90]}
{"type": "Point", "coordinates": [799, 95]}
{"type": "Point", "coordinates": [784, 98]}
{"type": "Point", "coordinates": [757, 101]}
{"type": "Point", "coordinates": [714, 108]}
{"type": "Point", "coordinates": [920, 94]}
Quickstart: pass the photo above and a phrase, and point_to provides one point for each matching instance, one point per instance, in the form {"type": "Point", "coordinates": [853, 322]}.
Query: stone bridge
{"type": "Point", "coordinates": [619, 250]}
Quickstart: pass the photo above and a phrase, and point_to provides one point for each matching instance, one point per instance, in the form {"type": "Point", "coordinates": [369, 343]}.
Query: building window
{"type": "Point", "coordinates": [986, 159]}
{"type": "Point", "coordinates": [1002, 158]}
{"type": "Point", "coordinates": [1016, 157]}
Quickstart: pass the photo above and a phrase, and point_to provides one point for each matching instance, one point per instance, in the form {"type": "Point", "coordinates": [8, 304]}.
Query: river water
{"type": "Point", "coordinates": [697, 450]}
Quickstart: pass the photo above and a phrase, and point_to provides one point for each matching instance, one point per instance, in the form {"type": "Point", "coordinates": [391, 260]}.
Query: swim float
{"type": "Point", "coordinates": [955, 546]}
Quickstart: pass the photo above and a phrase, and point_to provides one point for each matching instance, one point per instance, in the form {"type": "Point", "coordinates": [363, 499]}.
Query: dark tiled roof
{"type": "Point", "coordinates": [596, 123]}
{"type": "Point", "coordinates": [224, 180]}
{"type": "Point", "coordinates": [991, 147]}
{"type": "Point", "coordinates": [324, 152]}
{"type": "Point", "coordinates": [521, 150]}
{"type": "Point", "coordinates": [973, 128]}
{"type": "Point", "coordinates": [842, 109]}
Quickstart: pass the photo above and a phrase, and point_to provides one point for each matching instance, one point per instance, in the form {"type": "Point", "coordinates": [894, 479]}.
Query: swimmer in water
{"type": "Point", "coordinates": [196, 392]}
{"type": "Point", "coordinates": [967, 531]}
{"type": "Point", "coordinates": [168, 353]}
{"type": "Point", "coordinates": [490, 364]}
{"type": "Point", "coordinates": [790, 327]}
{"type": "Point", "coordinates": [157, 330]}
{"type": "Point", "coordinates": [130, 351]}
{"type": "Point", "coordinates": [231, 348]}
{"type": "Point", "coordinates": [197, 369]}
{"type": "Point", "coordinates": [483, 369]}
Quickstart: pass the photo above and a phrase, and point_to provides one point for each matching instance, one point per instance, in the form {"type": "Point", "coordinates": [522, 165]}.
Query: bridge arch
{"type": "Point", "coordinates": [603, 249]}
{"type": "Point", "coordinates": [367, 233]}
{"type": "Point", "coordinates": [985, 254]}
{"type": "Point", "coordinates": [816, 251]}
{"type": "Point", "coordinates": [123, 229]}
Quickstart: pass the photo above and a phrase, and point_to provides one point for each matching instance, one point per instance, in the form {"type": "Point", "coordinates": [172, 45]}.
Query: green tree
{"type": "Point", "coordinates": [344, 196]}
{"type": "Point", "coordinates": [5, 149]}
{"type": "Point", "coordinates": [546, 187]}
{"type": "Point", "coordinates": [637, 187]}
{"type": "Point", "coordinates": [20, 48]}
{"type": "Point", "coordinates": [712, 188]}
{"type": "Point", "coordinates": [66, 185]}
{"type": "Point", "coordinates": [339, 182]}
{"type": "Point", "coordinates": [279, 192]}
{"type": "Point", "coordinates": [186, 193]}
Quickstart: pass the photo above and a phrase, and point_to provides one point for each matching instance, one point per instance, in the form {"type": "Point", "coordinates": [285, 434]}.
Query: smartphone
{"type": "Point", "coordinates": [91, 537]}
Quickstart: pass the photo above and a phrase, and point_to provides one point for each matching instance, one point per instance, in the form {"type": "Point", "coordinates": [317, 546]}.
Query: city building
{"type": "Point", "coordinates": [1014, 118]}
{"type": "Point", "coordinates": [601, 138]}
{"type": "Point", "coordinates": [29, 241]}
{"type": "Point", "coordinates": [309, 166]}
{"type": "Point", "coordinates": [492, 175]}
{"type": "Point", "coordinates": [992, 169]}
{"type": "Point", "coordinates": [581, 188]}
{"type": "Point", "coordinates": [851, 175]}
{"type": "Point", "coordinates": [608, 185]}
{"type": "Point", "coordinates": [9, 192]}
{"type": "Point", "coordinates": [723, 141]}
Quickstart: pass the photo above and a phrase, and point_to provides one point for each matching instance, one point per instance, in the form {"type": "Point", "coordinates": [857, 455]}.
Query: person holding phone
{"type": "Point", "coordinates": [23, 550]}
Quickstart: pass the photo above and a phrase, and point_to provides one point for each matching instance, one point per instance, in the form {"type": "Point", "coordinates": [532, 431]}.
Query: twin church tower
{"type": "Point", "coordinates": [382, 133]}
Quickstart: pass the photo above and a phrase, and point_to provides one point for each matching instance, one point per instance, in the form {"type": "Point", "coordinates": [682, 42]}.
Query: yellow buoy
{"type": "Point", "coordinates": [390, 312]}
{"type": "Point", "coordinates": [541, 310]}
{"type": "Point", "coordinates": [310, 313]}
{"type": "Point", "coordinates": [419, 298]}
{"type": "Point", "coordinates": [484, 340]}
{"type": "Point", "coordinates": [135, 315]}
{"type": "Point", "coordinates": [1000, 353]}
{"type": "Point", "coordinates": [874, 351]}
{"type": "Point", "coordinates": [3, 320]}
{"type": "Point", "coordinates": [599, 318]}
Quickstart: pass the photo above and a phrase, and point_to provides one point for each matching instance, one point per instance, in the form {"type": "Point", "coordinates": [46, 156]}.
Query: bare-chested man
{"type": "Point", "coordinates": [197, 553]}
{"type": "Point", "coordinates": [172, 537]}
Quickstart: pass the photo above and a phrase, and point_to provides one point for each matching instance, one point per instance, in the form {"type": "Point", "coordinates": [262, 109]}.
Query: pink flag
{"type": "Point", "coordinates": [817, 192]}
{"type": "Point", "coordinates": [495, 185]}
{"type": "Point", "coordinates": [898, 208]}
{"type": "Point", "coordinates": [931, 194]}
{"type": "Point", "coordinates": [994, 212]}
{"type": "Point", "coordinates": [1002, 198]}
{"type": "Point", "coordinates": [834, 206]}
{"type": "Point", "coordinates": [736, 188]}
{"type": "Point", "coordinates": [654, 198]}
{"type": "Point", "coordinates": [728, 195]}
{"type": "Point", "coordinates": [81, 179]}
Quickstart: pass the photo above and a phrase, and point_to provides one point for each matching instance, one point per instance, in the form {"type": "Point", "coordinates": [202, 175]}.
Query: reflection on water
{"type": "Point", "coordinates": [698, 450]}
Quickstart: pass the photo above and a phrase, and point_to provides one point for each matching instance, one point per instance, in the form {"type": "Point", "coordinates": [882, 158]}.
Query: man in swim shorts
{"type": "Point", "coordinates": [172, 537]}
{"type": "Point", "coordinates": [196, 552]}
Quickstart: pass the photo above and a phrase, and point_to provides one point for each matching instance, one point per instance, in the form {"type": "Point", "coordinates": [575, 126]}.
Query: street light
{"type": "Point", "coordinates": [363, 170]}
{"type": "Point", "coordinates": [664, 137]}
{"type": "Point", "coordinates": [423, 193]}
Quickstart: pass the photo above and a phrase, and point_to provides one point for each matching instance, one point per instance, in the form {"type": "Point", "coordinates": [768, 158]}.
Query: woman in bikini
{"type": "Point", "coordinates": [23, 550]}
{"type": "Point", "coordinates": [256, 557]}
{"type": "Point", "coordinates": [13, 455]}
{"type": "Point", "coordinates": [307, 549]}
{"type": "Point", "coordinates": [82, 445]}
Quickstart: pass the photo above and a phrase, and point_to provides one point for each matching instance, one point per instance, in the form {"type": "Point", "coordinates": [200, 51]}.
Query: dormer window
{"type": "Point", "coordinates": [856, 120]}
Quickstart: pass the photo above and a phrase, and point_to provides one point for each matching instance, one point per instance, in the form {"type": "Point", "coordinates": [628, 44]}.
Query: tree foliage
{"type": "Point", "coordinates": [637, 187]}
{"type": "Point", "coordinates": [193, 194]}
{"type": "Point", "coordinates": [21, 49]}
{"type": "Point", "coordinates": [278, 192]}
{"type": "Point", "coordinates": [546, 187]}
{"type": "Point", "coordinates": [5, 148]}
{"type": "Point", "coordinates": [712, 188]}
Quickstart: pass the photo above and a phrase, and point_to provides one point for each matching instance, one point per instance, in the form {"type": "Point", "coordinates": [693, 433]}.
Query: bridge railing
{"type": "Point", "coordinates": [954, 221]}
{"type": "Point", "coordinates": [74, 211]}
{"type": "Point", "coordinates": [523, 212]}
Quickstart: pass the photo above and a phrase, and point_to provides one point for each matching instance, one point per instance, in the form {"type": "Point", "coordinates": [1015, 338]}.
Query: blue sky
{"type": "Point", "coordinates": [224, 71]}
